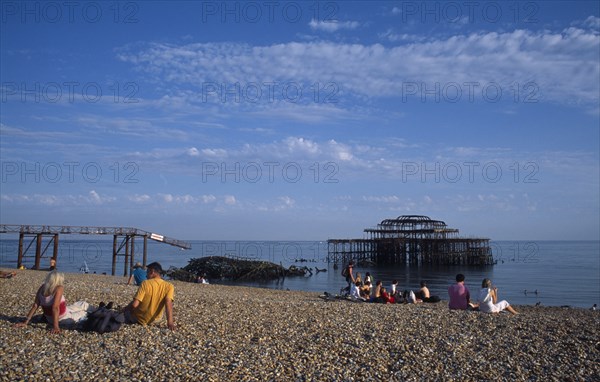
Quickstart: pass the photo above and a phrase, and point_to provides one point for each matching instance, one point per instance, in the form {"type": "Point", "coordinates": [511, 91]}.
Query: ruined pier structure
{"type": "Point", "coordinates": [412, 239]}
{"type": "Point", "coordinates": [125, 248]}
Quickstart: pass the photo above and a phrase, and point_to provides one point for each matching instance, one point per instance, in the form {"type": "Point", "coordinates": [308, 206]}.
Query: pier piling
{"type": "Point", "coordinates": [412, 240]}
{"type": "Point", "coordinates": [37, 232]}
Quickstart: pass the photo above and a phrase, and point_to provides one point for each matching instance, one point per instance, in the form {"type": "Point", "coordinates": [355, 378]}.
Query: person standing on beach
{"type": "Point", "coordinates": [153, 297]}
{"type": "Point", "coordinates": [349, 276]}
{"type": "Point", "coordinates": [460, 297]}
{"type": "Point", "coordinates": [138, 274]}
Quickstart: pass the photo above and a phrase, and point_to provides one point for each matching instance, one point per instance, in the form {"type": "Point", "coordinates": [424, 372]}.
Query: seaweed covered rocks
{"type": "Point", "coordinates": [226, 268]}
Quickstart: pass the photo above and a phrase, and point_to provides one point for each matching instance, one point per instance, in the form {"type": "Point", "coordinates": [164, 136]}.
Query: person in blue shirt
{"type": "Point", "coordinates": [138, 274]}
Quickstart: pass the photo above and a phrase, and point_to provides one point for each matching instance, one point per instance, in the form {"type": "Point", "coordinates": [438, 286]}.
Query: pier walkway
{"type": "Point", "coordinates": [127, 235]}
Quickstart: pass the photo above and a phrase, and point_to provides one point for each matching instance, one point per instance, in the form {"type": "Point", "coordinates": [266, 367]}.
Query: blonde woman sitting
{"type": "Point", "coordinates": [488, 297]}
{"type": "Point", "coordinates": [51, 299]}
{"type": "Point", "coordinates": [358, 279]}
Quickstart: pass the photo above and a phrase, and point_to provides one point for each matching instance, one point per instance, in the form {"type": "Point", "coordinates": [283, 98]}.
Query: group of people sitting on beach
{"type": "Point", "coordinates": [459, 295]}
{"type": "Point", "coordinates": [153, 297]}
{"type": "Point", "coordinates": [365, 291]}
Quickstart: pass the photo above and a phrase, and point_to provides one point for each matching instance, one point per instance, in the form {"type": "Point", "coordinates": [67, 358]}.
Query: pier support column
{"type": "Point", "coordinates": [54, 253]}
{"type": "Point", "coordinates": [131, 262]}
{"type": "Point", "coordinates": [38, 250]}
{"type": "Point", "coordinates": [20, 253]}
{"type": "Point", "coordinates": [145, 250]}
{"type": "Point", "coordinates": [114, 259]}
{"type": "Point", "coordinates": [127, 238]}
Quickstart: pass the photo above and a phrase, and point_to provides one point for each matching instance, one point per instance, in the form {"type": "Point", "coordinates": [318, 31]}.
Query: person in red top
{"type": "Point", "coordinates": [52, 301]}
{"type": "Point", "coordinates": [386, 297]}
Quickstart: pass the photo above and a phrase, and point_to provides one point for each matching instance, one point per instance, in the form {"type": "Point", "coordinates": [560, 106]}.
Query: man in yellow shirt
{"type": "Point", "coordinates": [153, 297]}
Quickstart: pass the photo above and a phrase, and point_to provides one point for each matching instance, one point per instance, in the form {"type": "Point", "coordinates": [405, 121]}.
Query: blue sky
{"type": "Point", "coordinates": [302, 120]}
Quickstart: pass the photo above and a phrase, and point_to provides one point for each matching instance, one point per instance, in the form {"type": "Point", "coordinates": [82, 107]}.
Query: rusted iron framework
{"type": "Point", "coordinates": [412, 239]}
{"type": "Point", "coordinates": [124, 249]}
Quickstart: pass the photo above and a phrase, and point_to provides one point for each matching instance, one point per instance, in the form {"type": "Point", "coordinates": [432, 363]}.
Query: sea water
{"type": "Point", "coordinates": [553, 273]}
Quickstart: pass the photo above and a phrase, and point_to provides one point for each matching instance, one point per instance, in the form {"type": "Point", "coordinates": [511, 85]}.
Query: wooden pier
{"type": "Point", "coordinates": [414, 240]}
{"type": "Point", "coordinates": [125, 248]}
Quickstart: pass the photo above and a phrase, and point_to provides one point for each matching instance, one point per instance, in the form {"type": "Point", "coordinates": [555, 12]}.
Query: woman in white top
{"type": "Point", "coordinates": [355, 291]}
{"type": "Point", "coordinates": [488, 297]}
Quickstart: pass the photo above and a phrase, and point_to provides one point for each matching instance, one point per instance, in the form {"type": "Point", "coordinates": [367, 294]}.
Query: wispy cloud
{"type": "Point", "coordinates": [333, 25]}
{"type": "Point", "coordinates": [92, 198]}
{"type": "Point", "coordinates": [562, 65]}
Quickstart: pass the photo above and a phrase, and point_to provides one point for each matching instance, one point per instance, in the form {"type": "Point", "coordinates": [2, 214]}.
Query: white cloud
{"type": "Point", "coordinates": [95, 198]}
{"type": "Point", "coordinates": [140, 198]}
{"type": "Point", "coordinates": [230, 200]}
{"type": "Point", "coordinates": [299, 144]}
{"type": "Point", "coordinates": [92, 197]}
{"type": "Point", "coordinates": [208, 198]}
{"type": "Point", "coordinates": [306, 112]}
{"type": "Point", "coordinates": [185, 199]}
{"type": "Point", "coordinates": [381, 199]}
{"type": "Point", "coordinates": [47, 200]}
{"type": "Point", "coordinates": [333, 25]}
{"type": "Point", "coordinates": [214, 153]}
{"type": "Point", "coordinates": [391, 36]}
{"type": "Point", "coordinates": [287, 201]}
{"type": "Point", "coordinates": [292, 148]}
{"type": "Point", "coordinates": [561, 66]}
{"type": "Point", "coordinates": [492, 202]}
{"type": "Point", "coordinates": [193, 152]}
{"type": "Point", "coordinates": [392, 158]}
{"type": "Point", "coordinates": [592, 22]}
{"type": "Point", "coordinates": [283, 203]}
{"type": "Point", "coordinates": [340, 151]}
{"type": "Point", "coordinates": [15, 198]}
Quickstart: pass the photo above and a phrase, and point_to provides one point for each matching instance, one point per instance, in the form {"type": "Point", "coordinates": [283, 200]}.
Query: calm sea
{"type": "Point", "coordinates": [552, 272]}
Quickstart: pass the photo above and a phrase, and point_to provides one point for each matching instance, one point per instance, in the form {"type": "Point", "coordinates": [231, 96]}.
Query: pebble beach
{"type": "Point", "coordinates": [230, 333]}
